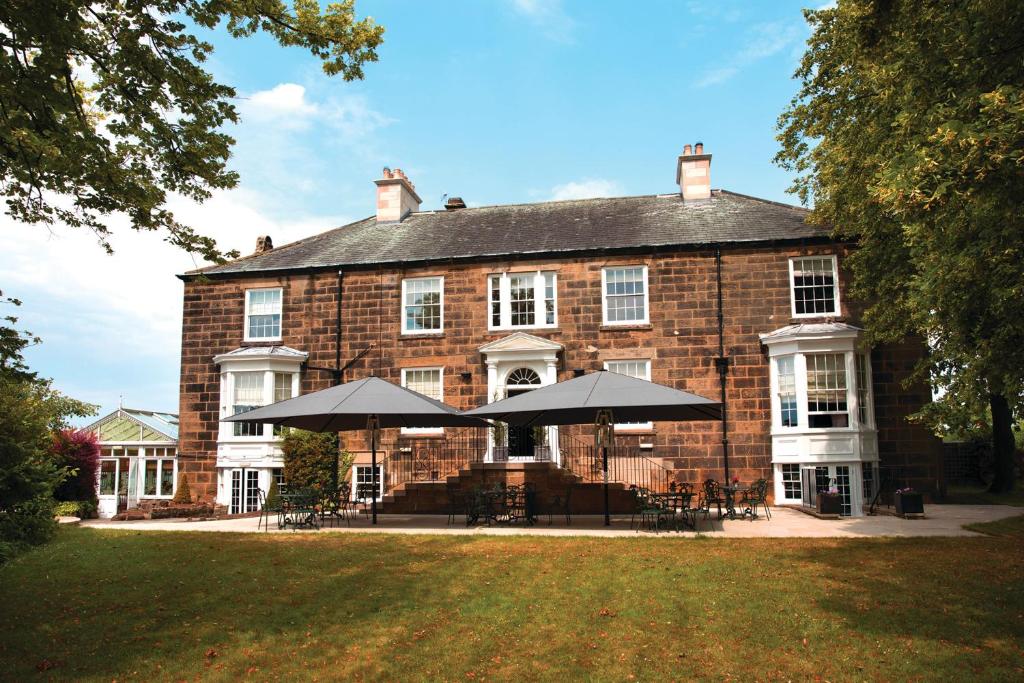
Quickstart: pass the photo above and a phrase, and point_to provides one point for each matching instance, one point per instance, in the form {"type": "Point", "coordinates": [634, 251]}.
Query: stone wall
{"type": "Point", "coordinates": [681, 341]}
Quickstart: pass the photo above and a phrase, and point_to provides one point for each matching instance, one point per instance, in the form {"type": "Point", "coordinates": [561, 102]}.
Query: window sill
{"type": "Point", "coordinates": [410, 336]}
{"type": "Point", "coordinates": [630, 326]}
{"type": "Point", "coordinates": [260, 341]}
{"type": "Point", "coordinates": [422, 435]}
{"type": "Point", "coordinates": [538, 328]}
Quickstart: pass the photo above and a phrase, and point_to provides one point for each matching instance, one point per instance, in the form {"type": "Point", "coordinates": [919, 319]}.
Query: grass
{"type": "Point", "coordinates": [976, 494]}
{"type": "Point", "coordinates": [104, 605]}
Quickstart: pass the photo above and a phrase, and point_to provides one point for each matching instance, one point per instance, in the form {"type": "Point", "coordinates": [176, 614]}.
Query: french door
{"type": "Point", "coordinates": [245, 491]}
{"type": "Point", "coordinates": [824, 478]}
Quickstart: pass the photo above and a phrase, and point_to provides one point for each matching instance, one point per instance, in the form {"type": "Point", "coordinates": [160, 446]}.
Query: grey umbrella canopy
{"type": "Point", "coordinates": [347, 407]}
{"type": "Point", "coordinates": [595, 399]}
{"type": "Point", "coordinates": [370, 404]}
{"type": "Point", "coordinates": [578, 400]}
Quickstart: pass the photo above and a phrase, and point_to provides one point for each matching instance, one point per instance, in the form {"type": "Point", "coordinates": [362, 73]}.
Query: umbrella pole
{"type": "Point", "coordinates": [372, 426]}
{"type": "Point", "coordinates": [604, 465]}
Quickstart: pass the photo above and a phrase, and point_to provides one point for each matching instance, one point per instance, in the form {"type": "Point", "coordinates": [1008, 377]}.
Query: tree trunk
{"type": "Point", "coordinates": [1002, 445]}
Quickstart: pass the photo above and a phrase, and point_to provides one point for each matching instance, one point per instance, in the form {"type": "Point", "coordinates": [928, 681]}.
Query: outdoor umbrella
{"type": "Point", "coordinates": [372, 404]}
{"type": "Point", "coordinates": [601, 398]}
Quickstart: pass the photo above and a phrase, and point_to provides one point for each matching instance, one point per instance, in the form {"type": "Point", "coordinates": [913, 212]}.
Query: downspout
{"type": "Point", "coordinates": [339, 375]}
{"type": "Point", "coordinates": [722, 363]}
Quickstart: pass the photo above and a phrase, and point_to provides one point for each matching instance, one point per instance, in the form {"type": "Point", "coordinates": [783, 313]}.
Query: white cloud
{"type": "Point", "coordinates": [111, 324]}
{"type": "Point", "coordinates": [284, 99]}
{"type": "Point", "coordinates": [763, 41]}
{"type": "Point", "coordinates": [549, 16]}
{"type": "Point", "coordinates": [585, 189]}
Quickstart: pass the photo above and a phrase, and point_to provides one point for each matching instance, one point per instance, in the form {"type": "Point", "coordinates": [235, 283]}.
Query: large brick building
{"type": "Point", "coordinates": [692, 289]}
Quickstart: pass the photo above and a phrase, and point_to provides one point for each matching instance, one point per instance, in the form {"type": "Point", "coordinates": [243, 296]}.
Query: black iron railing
{"type": "Point", "coordinates": [432, 459]}
{"type": "Point", "coordinates": [626, 464]}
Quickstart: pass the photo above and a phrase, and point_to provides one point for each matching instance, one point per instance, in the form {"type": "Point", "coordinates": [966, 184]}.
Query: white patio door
{"type": "Point", "coordinates": [133, 482]}
{"type": "Point", "coordinates": [824, 477]}
{"type": "Point", "coordinates": [245, 491]}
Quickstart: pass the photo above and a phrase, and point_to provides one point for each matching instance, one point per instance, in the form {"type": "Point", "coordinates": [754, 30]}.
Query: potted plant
{"type": "Point", "coordinates": [908, 502]}
{"type": "Point", "coordinates": [829, 501]}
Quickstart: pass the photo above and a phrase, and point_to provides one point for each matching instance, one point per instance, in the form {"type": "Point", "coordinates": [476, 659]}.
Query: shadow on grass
{"type": "Point", "coordinates": [98, 605]}
{"type": "Point", "coordinates": [961, 596]}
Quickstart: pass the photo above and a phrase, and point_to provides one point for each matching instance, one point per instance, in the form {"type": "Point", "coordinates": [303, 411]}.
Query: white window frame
{"type": "Point", "coordinates": [405, 319]}
{"type": "Point", "coordinates": [227, 432]}
{"type": "Point", "coordinates": [505, 300]}
{"type": "Point", "coordinates": [632, 426]}
{"type": "Point", "coordinates": [783, 498]}
{"type": "Point", "coordinates": [440, 386]}
{"type": "Point", "coordinates": [159, 459]}
{"type": "Point", "coordinates": [355, 480]}
{"type": "Point", "coordinates": [248, 336]}
{"type": "Point", "coordinates": [604, 298]}
{"type": "Point", "coordinates": [835, 286]}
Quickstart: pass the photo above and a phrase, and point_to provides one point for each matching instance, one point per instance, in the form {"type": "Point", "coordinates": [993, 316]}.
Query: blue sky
{"type": "Point", "coordinates": [496, 101]}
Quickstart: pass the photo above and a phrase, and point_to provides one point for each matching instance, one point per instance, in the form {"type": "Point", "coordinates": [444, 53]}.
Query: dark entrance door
{"type": "Point", "coordinates": [520, 439]}
{"type": "Point", "coordinates": [520, 442]}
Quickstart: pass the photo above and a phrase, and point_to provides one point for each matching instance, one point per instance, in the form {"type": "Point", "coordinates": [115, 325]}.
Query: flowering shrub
{"type": "Point", "coordinates": [78, 452]}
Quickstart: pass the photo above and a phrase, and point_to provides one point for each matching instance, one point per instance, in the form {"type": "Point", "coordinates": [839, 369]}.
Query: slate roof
{"type": "Point", "coordinates": [541, 229]}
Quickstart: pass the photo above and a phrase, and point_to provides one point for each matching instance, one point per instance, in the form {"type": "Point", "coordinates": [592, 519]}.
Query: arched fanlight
{"type": "Point", "coordinates": [522, 377]}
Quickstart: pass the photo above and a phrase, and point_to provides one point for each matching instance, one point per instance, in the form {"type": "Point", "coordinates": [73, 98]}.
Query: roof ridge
{"type": "Point", "coordinates": [550, 201]}
{"type": "Point", "coordinates": [765, 201]}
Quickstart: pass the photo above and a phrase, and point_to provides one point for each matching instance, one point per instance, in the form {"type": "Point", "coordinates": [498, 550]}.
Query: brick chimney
{"type": "Point", "coordinates": [693, 173]}
{"type": "Point", "coordinates": [396, 196]}
{"type": "Point", "coordinates": [264, 244]}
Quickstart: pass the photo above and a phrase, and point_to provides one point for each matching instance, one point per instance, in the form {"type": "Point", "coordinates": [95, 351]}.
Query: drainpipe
{"type": "Point", "coordinates": [722, 363]}
{"type": "Point", "coordinates": [339, 376]}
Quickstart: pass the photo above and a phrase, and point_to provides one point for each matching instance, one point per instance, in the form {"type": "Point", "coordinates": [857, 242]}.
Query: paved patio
{"type": "Point", "coordinates": [941, 520]}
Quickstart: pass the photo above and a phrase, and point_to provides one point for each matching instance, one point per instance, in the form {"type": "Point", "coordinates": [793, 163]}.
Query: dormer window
{"type": "Point", "coordinates": [263, 314]}
{"type": "Point", "coordinates": [517, 300]}
{"type": "Point", "coordinates": [813, 286]}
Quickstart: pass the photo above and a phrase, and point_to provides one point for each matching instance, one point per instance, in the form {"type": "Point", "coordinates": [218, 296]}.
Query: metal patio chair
{"type": "Point", "coordinates": [757, 495]}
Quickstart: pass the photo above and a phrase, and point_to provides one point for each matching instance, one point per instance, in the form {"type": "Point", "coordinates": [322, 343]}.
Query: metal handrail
{"type": "Point", "coordinates": [626, 465]}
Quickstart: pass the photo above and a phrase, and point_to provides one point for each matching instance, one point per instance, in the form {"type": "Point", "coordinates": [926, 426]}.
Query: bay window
{"type": "Point", "coordinates": [823, 427]}
{"type": "Point", "coordinates": [423, 305]}
{"type": "Point", "coordinates": [624, 295]}
{"type": "Point", "coordinates": [517, 300]}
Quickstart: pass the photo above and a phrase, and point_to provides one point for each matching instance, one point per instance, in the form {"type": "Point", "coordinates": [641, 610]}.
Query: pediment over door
{"type": "Point", "coordinates": [521, 342]}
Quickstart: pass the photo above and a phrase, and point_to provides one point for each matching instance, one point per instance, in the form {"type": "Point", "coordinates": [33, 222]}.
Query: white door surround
{"type": "Point", "coordinates": [520, 351]}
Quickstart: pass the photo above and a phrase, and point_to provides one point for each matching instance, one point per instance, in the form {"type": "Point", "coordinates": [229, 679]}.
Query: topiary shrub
{"type": "Point", "coordinates": [272, 494]}
{"type": "Point", "coordinates": [78, 452]}
{"type": "Point", "coordinates": [310, 459]}
{"type": "Point", "coordinates": [183, 494]}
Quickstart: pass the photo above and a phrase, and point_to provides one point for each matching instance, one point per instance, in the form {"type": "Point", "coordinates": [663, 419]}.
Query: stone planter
{"type": "Point", "coordinates": [830, 504]}
{"type": "Point", "coordinates": [909, 503]}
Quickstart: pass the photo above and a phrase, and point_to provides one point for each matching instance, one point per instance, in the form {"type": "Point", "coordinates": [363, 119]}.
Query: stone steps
{"type": "Point", "coordinates": [549, 480]}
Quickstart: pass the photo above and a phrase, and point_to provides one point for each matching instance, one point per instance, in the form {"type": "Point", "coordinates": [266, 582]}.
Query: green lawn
{"type": "Point", "coordinates": [104, 605]}
{"type": "Point", "coordinates": [976, 494]}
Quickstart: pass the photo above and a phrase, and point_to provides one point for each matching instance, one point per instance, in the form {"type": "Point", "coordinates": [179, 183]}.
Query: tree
{"type": "Point", "coordinates": [908, 134]}
{"type": "Point", "coordinates": [29, 413]}
{"type": "Point", "coordinates": [310, 459]}
{"type": "Point", "coordinates": [183, 494]}
{"type": "Point", "coordinates": [78, 453]}
{"type": "Point", "coordinates": [106, 108]}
